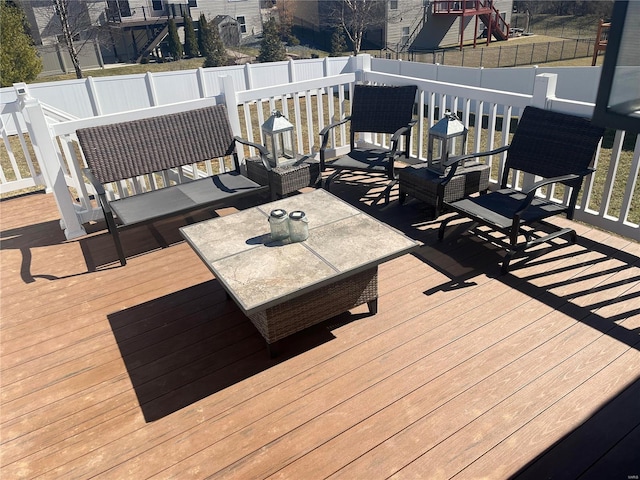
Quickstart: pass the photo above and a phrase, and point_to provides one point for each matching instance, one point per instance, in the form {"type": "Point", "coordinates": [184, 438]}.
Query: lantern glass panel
{"type": "Point", "coordinates": [278, 137]}
{"type": "Point", "coordinates": [447, 138]}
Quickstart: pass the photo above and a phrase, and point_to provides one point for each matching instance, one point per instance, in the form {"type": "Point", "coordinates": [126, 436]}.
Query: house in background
{"type": "Point", "coordinates": [112, 31]}
{"type": "Point", "coordinates": [411, 25]}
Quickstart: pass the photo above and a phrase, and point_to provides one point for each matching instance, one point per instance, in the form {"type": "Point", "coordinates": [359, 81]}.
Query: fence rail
{"type": "Point", "coordinates": [503, 55]}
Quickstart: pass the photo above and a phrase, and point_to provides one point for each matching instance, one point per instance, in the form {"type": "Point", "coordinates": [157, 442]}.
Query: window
{"type": "Point", "coordinates": [393, 4]}
{"type": "Point", "coordinates": [117, 9]}
{"type": "Point", "coordinates": [193, 3]}
{"type": "Point", "coordinates": [243, 24]}
{"type": "Point", "coordinates": [157, 4]}
{"type": "Point", "coordinates": [405, 34]}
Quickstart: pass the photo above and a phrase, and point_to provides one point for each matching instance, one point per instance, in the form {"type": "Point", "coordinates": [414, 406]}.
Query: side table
{"type": "Point", "coordinates": [426, 185]}
{"type": "Point", "coordinates": [285, 179]}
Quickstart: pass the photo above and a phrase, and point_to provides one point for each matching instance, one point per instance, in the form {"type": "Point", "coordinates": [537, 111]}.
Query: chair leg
{"type": "Point", "coordinates": [443, 225]}
{"type": "Point", "coordinates": [330, 178]}
{"type": "Point", "coordinates": [373, 306]}
{"type": "Point", "coordinates": [505, 263]}
{"type": "Point", "coordinates": [113, 229]}
{"type": "Point", "coordinates": [119, 249]}
{"type": "Point", "coordinates": [387, 192]}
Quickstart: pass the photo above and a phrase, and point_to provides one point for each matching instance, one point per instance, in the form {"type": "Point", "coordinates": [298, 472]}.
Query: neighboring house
{"type": "Point", "coordinates": [142, 23]}
{"type": "Point", "coordinates": [411, 24]}
{"type": "Point", "coordinates": [128, 30]}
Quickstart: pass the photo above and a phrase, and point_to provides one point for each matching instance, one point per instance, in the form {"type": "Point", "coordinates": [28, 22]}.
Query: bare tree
{"type": "Point", "coordinates": [62, 9]}
{"type": "Point", "coordinates": [356, 17]}
{"type": "Point", "coordinates": [77, 24]}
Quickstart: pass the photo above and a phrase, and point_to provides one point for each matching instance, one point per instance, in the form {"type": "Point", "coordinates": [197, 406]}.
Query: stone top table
{"type": "Point", "coordinates": [284, 287]}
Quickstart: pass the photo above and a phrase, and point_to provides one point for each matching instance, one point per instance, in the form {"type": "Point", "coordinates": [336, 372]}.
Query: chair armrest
{"type": "Point", "coordinates": [99, 188]}
{"type": "Point", "coordinates": [324, 139]}
{"type": "Point", "coordinates": [401, 131]}
{"type": "Point", "coordinates": [460, 158]}
{"type": "Point", "coordinates": [395, 138]}
{"type": "Point", "coordinates": [326, 129]}
{"type": "Point", "coordinates": [531, 191]}
{"type": "Point", "coordinates": [454, 162]}
{"type": "Point", "coordinates": [262, 150]}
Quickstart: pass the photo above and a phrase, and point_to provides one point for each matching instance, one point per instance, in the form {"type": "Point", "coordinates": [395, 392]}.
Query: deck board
{"type": "Point", "coordinates": [149, 371]}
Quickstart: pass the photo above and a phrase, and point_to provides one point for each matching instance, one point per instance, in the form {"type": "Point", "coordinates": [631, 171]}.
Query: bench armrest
{"type": "Point", "coordinates": [100, 191]}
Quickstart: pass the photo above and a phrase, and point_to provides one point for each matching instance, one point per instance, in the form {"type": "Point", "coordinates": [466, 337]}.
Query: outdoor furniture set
{"type": "Point", "coordinates": [285, 286]}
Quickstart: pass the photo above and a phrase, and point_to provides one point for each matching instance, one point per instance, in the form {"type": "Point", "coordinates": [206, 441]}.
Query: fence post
{"type": "Point", "coordinates": [533, 47]}
{"type": "Point", "coordinates": [202, 82]}
{"type": "Point", "coordinates": [46, 152]}
{"type": "Point", "coordinates": [93, 97]}
{"type": "Point", "coordinates": [292, 71]}
{"type": "Point", "coordinates": [544, 89]}
{"type": "Point", "coordinates": [248, 79]}
{"type": "Point", "coordinates": [151, 89]}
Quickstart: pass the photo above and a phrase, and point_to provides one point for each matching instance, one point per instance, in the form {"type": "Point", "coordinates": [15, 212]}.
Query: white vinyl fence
{"type": "Point", "coordinates": [311, 103]}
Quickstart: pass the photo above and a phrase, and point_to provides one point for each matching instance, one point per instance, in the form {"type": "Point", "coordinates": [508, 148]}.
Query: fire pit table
{"type": "Point", "coordinates": [285, 287]}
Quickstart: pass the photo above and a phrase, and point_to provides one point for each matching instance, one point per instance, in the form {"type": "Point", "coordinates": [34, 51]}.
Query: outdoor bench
{"type": "Point", "coordinates": [146, 170]}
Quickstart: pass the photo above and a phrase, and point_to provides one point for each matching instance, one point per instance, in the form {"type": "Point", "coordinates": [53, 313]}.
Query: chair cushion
{"type": "Point", "coordinates": [498, 208]}
{"type": "Point", "coordinates": [180, 198]}
{"type": "Point", "coordinates": [368, 160]}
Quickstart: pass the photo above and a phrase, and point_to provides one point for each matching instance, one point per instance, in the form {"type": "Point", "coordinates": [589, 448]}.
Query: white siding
{"type": "Point", "coordinates": [249, 9]}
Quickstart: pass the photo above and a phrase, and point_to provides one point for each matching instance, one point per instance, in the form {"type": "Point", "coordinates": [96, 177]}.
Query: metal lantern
{"type": "Point", "coordinates": [448, 137]}
{"type": "Point", "coordinates": [277, 132]}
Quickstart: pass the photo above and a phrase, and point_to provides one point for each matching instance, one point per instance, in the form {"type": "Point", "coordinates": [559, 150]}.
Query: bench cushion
{"type": "Point", "coordinates": [184, 197]}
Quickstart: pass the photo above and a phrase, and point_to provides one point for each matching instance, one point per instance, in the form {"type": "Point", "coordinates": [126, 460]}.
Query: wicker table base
{"type": "Point", "coordinates": [423, 184]}
{"type": "Point", "coordinates": [282, 181]}
{"type": "Point", "coordinates": [295, 315]}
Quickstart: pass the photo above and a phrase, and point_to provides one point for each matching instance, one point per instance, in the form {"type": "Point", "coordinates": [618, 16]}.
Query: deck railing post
{"type": "Point", "coordinates": [231, 101]}
{"type": "Point", "coordinates": [544, 89]}
{"type": "Point", "coordinates": [46, 152]}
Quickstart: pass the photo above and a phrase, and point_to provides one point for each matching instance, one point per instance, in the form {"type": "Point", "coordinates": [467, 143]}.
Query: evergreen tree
{"type": "Point", "coordinates": [19, 60]}
{"type": "Point", "coordinates": [216, 53]}
{"type": "Point", "coordinates": [271, 48]}
{"type": "Point", "coordinates": [190, 41]}
{"type": "Point", "coordinates": [203, 30]}
{"type": "Point", "coordinates": [338, 42]}
{"type": "Point", "coordinates": [175, 47]}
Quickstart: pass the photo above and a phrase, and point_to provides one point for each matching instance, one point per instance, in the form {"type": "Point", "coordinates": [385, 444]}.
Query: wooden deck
{"type": "Point", "coordinates": [148, 371]}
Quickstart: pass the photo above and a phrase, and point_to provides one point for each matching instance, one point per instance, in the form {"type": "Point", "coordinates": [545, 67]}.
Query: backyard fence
{"type": "Point", "coordinates": [511, 55]}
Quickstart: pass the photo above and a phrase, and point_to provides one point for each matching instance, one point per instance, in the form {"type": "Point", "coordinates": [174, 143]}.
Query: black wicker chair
{"type": "Point", "coordinates": [379, 110]}
{"type": "Point", "coordinates": [556, 147]}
